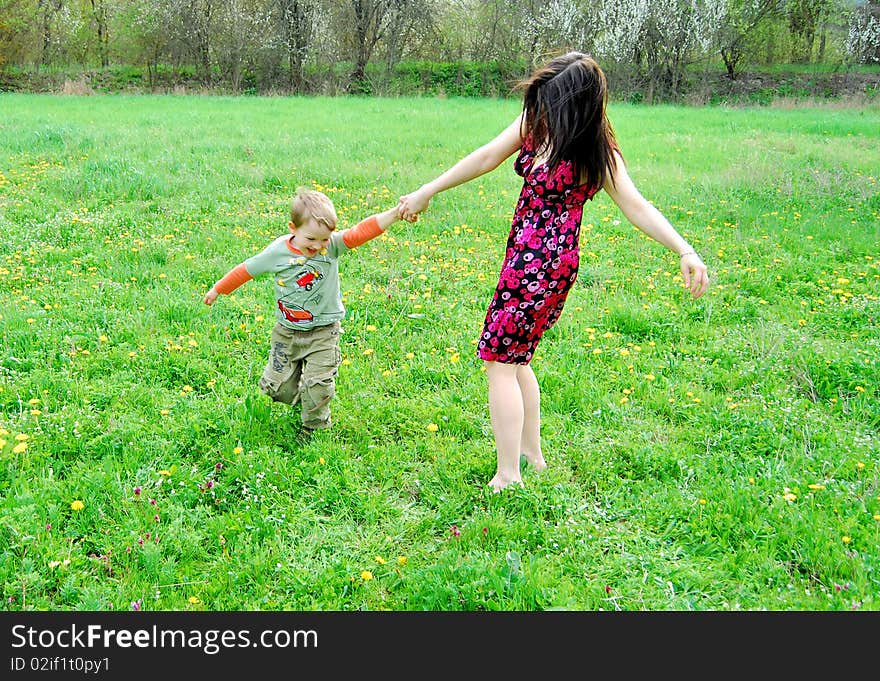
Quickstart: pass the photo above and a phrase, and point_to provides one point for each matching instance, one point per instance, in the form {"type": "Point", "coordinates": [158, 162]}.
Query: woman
{"type": "Point", "coordinates": [567, 153]}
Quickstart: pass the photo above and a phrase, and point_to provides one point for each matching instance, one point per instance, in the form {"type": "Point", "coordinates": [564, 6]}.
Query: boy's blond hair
{"type": "Point", "coordinates": [308, 203]}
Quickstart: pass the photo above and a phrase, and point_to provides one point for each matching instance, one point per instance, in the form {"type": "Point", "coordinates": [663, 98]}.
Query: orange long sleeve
{"type": "Point", "coordinates": [237, 276]}
{"type": "Point", "coordinates": [361, 233]}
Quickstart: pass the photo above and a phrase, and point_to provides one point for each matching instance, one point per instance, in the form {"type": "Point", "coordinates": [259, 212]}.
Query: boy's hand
{"type": "Point", "coordinates": [412, 204]}
{"type": "Point", "coordinates": [403, 214]}
{"type": "Point", "coordinates": [211, 296]}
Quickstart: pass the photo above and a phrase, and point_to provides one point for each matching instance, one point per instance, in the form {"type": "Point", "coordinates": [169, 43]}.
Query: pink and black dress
{"type": "Point", "coordinates": [541, 262]}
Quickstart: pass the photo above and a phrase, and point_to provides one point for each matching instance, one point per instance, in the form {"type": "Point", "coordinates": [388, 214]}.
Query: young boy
{"type": "Point", "coordinates": [304, 355]}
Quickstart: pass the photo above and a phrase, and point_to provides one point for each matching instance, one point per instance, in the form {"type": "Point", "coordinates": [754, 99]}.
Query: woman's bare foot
{"type": "Point", "coordinates": [537, 461]}
{"type": "Point", "coordinates": [499, 482]}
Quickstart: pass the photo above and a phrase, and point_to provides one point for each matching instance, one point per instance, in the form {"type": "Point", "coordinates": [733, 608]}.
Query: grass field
{"type": "Point", "coordinates": [719, 454]}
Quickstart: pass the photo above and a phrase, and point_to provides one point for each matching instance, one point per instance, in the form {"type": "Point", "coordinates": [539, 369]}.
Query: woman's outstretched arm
{"type": "Point", "coordinates": [478, 162]}
{"type": "Point", "coordinates": [651, 221]}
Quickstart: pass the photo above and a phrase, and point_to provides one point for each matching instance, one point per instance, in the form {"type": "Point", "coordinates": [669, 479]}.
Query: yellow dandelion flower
{"type": "Point", "coordinates": [194, 600]}
{"type": "Point", "coordinates": [410, 355]}
{"type": "Point", "coordinates": [20, 447]}
{"type": "Point", "coordinates": [860, 465]}
{"type": "Point", "coordinates": [321, 460]}
{"type": "Point", "coordinates": [163, 412]}
{"type": "Point", "coordinates": [34, 401]}
{"type": "Point", "coordinates": [77, 505]}
{"type": "Point", "coordinates": [370, 327]}
{"type": "Point", "coordinates": [237, 450]}
{"type": "Point", "coordinates": [401, 560]}
{"type": "Point", "coordinates": [702, 502]}
{"type": "Point", "coordinates": [380, 560]}
{"type": "Point", "coordinates": [2, 443]}
{"type": "Point", "coordinates": [816, 486]}
{"type": "Point", "coordinates": [433, 427]}
{"type": "Point", "coordinates": [366, 575]}
{"type": "Point", "coordinates": [789, 497]}
{"type": "Point", "coordinates": [368, 352]}
{"type": "Point", "coordinates": [876, 516]}
{"type": "Point", "coordinates": [21, 437]}
{"type": "Point", "coordinates": [649, 377]}
{"type": "Point", "coordinates": [845, 539]}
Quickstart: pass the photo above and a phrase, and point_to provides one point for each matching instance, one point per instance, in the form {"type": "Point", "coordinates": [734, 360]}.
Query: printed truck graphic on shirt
{"type": "Point", "coordinates": [307, 280]}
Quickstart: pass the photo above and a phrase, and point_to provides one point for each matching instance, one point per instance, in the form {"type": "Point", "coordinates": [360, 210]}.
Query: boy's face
{"type": "Point", "coordinates": [310, 238]}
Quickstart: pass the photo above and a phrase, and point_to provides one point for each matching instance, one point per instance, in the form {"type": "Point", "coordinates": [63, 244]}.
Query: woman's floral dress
{"type": "Point", "coordinates": [541, 262]}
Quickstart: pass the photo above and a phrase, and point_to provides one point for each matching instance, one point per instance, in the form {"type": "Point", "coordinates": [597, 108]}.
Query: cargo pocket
{"type": "Point", "coordinates": [280, 379]}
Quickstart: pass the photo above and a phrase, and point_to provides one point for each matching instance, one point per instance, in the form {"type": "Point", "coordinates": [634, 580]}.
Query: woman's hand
{"type": "Point", "coordinates": [412, 204]}
{"type": "Point", "coordinates": [696, 277]}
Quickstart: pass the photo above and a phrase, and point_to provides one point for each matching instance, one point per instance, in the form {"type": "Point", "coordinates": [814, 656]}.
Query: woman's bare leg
{"type": "Point", "coordinates": [506, 412]}
{"type": "Point", "coordinates": [531, 432]}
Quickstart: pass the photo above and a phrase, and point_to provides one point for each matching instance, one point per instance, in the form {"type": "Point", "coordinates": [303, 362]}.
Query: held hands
{"type": "Point", "coordinates": [696, 277]}
{"type": "Point", "coordinates": [412, 204]}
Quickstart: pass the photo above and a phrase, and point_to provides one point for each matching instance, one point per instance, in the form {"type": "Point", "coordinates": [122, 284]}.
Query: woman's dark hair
{"type": "Point", "coordinates": [564, 107]}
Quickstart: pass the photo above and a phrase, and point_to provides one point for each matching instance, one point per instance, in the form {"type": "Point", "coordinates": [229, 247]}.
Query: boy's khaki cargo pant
{"type": "Point", "coordinates": [302, 368]}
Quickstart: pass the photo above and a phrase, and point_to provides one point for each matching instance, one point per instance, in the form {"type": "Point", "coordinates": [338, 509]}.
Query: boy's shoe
{"type": "Point", "coordinates": [304, 435]}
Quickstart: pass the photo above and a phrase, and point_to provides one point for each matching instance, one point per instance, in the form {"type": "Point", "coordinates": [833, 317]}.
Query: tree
{"type": "Point", "coordinates": [47, 11]}
{"type": "Point", "coordinates": [366, 22]}
{"type": "Point", "coordinates": [659, 38]}
{"type": "Point", "coordinates": [739, 24]}
{"type": "Point", "coordinates": [14, 34]}
{"type": "Point", "coordinates": [239, 30]}
{"type": "Point", "coordinates": [145, 29]}
{"type": "Point", "coordinates": [805, 19]}
{"type": "Point", "coordinates": [295, 20]}
{"type": "Point", "coordinates": [863, 36]}
{"type": "Point", "coordinates": [558, 25]}
{"type": "Point", "coordinates": [411, 22]}
{"type": "Point", "coordinates": [100, 11]}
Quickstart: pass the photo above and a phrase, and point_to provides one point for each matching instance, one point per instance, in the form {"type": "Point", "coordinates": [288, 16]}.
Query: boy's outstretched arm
{"type": "Point", "coordinates": [370, 228]}
{"type": "Point", "coordinates": [237, 276]}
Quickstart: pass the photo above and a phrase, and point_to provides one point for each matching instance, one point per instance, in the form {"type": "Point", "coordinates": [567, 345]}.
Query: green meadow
{"type": "Point", "coordinates": [718, 454]}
